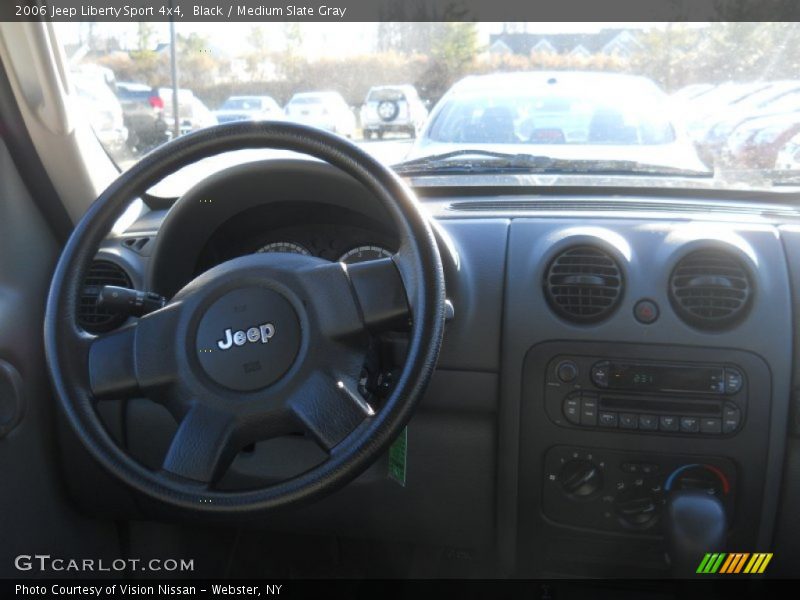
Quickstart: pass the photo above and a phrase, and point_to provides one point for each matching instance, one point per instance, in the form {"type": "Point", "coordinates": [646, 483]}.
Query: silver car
{"type": "Point", "coordinates": [325, 110]}
{"type": "Point", "coordinates": [563, 115]}
{"type": "Point", "coordinates": [103, 110]}
{"type": "Point", "coordinates": [248, 108]}
{"type": "Point", "coordinates": [392, 108]}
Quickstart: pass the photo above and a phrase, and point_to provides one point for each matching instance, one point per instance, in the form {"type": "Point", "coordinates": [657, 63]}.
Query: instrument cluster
{"type": "Point", "coordinates": [357, 254]}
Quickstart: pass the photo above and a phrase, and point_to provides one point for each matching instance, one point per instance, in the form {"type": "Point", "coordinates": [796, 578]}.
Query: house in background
{"type": "Point", "coordinates": [609, 42]}
{"type": "Point", "coordinates": [235, 66]}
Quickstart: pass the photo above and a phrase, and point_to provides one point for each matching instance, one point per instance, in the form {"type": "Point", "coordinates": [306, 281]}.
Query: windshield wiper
{"type": "Point", "coordinates": [486, 162]}
{"type": "Point", "coordinates": [486, 159]}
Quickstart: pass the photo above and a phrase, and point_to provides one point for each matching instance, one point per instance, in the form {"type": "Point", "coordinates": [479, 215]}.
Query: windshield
{"type": "Point", "coordinates": [790, 101]}
{"type": "Point", "coordinates": [640, 100]}
{"type": "Point", "coordinates": [307, 100]}
{"type": "Point", "coordinates": [133, 93]}
{"type": "Point", "coordinates": [242, 104]}
{"type": "Point", "coordinates": [551, 117]}
{"type": "Point", "coordinates": [386, 95]}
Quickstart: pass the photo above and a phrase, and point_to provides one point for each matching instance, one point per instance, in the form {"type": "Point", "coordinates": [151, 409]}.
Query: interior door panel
{"type": "Point", "coordinates": [40, 520]}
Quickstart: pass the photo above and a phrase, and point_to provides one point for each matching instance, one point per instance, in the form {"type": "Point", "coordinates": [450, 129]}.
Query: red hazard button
{"type": "Point", "coordinates": [645, 311]}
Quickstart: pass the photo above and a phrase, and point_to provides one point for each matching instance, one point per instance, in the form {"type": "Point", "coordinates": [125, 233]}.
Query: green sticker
{"type": "Point", "coordinates": [397, 458]}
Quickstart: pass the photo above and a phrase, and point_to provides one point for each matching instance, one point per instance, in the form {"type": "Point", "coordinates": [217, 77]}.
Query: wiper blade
{"type": "Point", "coordinates": [486, 161]}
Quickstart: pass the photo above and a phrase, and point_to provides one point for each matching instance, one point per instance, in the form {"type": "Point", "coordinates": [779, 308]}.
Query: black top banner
{"type": "Point", "coordinates": [399, 10]}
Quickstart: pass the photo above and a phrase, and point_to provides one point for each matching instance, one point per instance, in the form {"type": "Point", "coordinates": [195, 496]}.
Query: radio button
{"type": "Point", "coordinates": [608, 419]}
{"type": "Point", "coordinates": [572, 410]}
{"type": "Point", "coordinates": [589, 412]}
{"type": "Point", "coordinates": [668, 423]}
{"type": "Point", "coordinates": [716, 382]}
{"type": "Point", "coordinates": [733, 381]}
{"type": "Point", "coordinates": [731, 418]}
{"type": "Point", "coordinates": [690, 424]}
{"type": "Point", "coordinates": [710, 425]}
{"type": "Point", "coordinates": [648, 422]}
{"type": "Point", "coordinates": [628, 421]}
{"type": "Point", "coordinates": [600, 374]}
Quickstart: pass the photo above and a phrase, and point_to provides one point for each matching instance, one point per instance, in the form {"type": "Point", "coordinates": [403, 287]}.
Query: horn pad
{"type": "Point", "coordinates": [248, 338]}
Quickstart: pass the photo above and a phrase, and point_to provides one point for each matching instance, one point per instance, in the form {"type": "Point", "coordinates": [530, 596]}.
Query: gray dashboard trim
{"type": "Point", "coordinates": [654, 248]}
{"type": "Point", "coordinates": [496, 289]}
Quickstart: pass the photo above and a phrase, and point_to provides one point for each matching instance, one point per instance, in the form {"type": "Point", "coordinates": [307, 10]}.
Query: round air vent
{"type": "Point", "coordinates": [583, 284]}
{"type": "Point", "coordinates": [710, 289]}
{"type": "Point", "coordinates": [90, 316]}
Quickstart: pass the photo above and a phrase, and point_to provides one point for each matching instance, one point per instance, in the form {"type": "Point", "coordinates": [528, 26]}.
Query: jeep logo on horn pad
{"type": "Point", "coordinates": [262, 333]}
{"type": "Point", "coordinates": [247, 338]}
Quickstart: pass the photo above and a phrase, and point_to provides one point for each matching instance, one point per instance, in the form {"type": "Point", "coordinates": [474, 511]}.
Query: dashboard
{"type": "Point", "coordinates": [601, 353]}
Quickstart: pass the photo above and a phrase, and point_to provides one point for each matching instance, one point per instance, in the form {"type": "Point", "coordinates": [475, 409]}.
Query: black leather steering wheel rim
{"type": "Point", "coordinates": [68, 347]}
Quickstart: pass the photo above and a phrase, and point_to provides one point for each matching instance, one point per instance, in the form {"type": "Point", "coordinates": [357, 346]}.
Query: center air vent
{"type": "Point", "coordinates": [710, 289]}
{"type": "Point", "coordinates": [90, 316]}
{"type": "Point", "coordinates": [583, 284]}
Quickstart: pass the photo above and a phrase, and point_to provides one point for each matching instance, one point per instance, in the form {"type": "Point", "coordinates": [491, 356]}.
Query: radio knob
{"type": "Point", "coordinates": [580, 478]}
{"type": "Point", "coordinates": [567, 371]}
{"type": "Point", "coordinates": [600, 374]}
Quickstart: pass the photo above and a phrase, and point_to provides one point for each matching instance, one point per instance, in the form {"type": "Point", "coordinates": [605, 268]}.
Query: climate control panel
{"type": "Point", "coordinates": [623, 491]}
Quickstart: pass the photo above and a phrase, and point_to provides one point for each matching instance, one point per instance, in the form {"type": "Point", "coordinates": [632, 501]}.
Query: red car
{"type": "Point", "coordinates": [755, 143]}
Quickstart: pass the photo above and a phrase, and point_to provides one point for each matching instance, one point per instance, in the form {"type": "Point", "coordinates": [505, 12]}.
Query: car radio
{"type": "Point", "coordinates": [619, 375]}
{"type": "Point", "coordinates": [645, 396]}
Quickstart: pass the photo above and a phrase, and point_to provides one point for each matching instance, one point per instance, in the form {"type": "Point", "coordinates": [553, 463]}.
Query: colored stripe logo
{"type": "Point", "coordinates": [734, 562]}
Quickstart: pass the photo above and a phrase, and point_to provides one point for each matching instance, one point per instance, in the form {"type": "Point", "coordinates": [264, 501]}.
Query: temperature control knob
{"type": "Point", "coordinates": [580, 478]}
{"type": "Point", "coordinates": [705, 478]}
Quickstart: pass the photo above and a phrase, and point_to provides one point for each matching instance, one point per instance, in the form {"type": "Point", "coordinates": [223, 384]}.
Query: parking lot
{"type": "Point", "coordinates": [390, 150]}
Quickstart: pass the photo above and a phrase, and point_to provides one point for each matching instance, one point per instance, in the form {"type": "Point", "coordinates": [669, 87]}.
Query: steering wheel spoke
{"type": "Point", "coordinates": [204, 445]}
{"type": "Point", "coordinates": [112, 367]}
{"type": "Point", "coordinates": [135, 359]}
{"type": "Point", "coordinates": [380, 293]}
{"type": "Point", "coordinates": [330, 296]}
{"type": "Point", "coordinates": [329, 408]}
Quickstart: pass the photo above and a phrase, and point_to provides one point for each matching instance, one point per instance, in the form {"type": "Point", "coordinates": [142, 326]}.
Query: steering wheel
{"type": "Point", "coordinates": [257, 347]}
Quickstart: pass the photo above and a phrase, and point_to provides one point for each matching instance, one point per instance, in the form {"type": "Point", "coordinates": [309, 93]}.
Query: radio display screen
{"type": "Point", "coordinates": [656, 377]}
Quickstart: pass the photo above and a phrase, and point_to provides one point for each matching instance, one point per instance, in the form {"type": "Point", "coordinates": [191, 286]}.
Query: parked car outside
{"type": "Point", "coordinates": [392, 109]}
{"type": "Point", "coordinates": [103, 110]}
{"type": "Point", "coordinates": [779, 97]}
{"type": "Point", "coordinates": [569, 115]}
{"type": "Point", "coordinates": [248, 108]}
{"type": "Point", "coordinates": [789, 155]}
{"type": "Point", "coordinates": [193, 114]}
{"type": "Point", "coordinates": [143, 111]}
{"type": "Point", "coordinates": [755, 143]}
{"type": "Point", "coordinates": [691, 92]}
{"type": "Point", "coordinates": [700, 111]}
{"type": "Point", "coordinates": [325, 110]}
